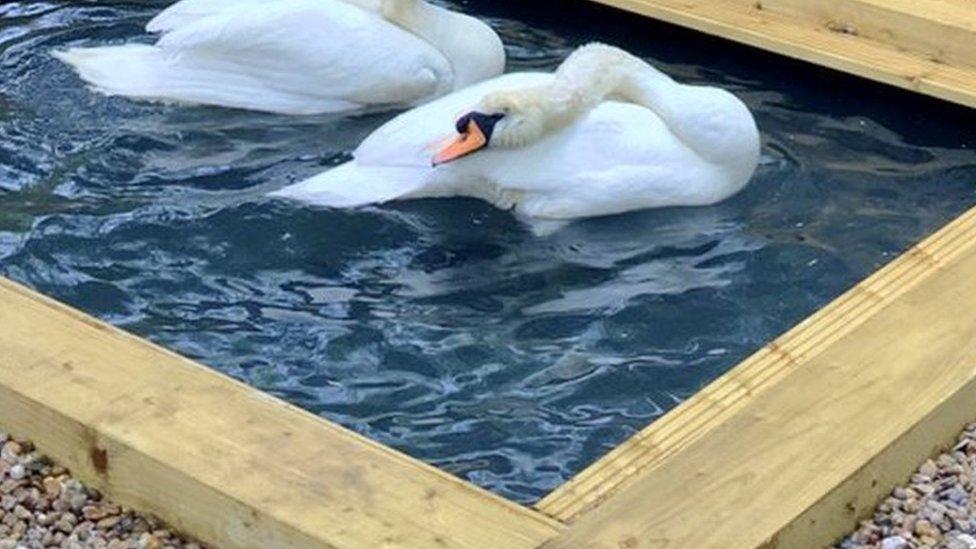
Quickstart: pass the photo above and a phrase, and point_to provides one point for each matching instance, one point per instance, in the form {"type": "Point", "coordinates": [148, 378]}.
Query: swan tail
{"type": "Point", "coordinates": [130, 70]}
{"type": "Point", "coordinates": [351, 185]}
{"type": "Point", "coordinates": [149, 73]}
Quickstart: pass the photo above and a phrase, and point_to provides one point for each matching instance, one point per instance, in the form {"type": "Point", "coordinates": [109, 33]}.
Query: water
{"type": "Point", "coordinates": [442, 327]}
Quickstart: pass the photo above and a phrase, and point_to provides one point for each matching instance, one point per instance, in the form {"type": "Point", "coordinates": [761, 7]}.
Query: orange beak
{"type": "Point", "coordinates": [468, 142]}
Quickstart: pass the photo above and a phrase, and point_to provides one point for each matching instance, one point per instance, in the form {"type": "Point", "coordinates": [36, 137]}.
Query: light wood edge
{"type": "Point", "coordinates": [855, 498]}
{"type": "Point", "coordinates": [935, 30]}
{"type": "Point", "coordinates": [717, 402]}
{"type": "Point", "coordinates": [147, 480]}
{"type": "Point", "coordinates": [803, 461]}
{"type": "Point", "coordinates": [817, 44]}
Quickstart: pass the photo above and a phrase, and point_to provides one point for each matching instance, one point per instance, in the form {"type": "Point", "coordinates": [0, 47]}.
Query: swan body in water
{"type": "Point", "coordinates": [297, 56]}
{"type": "Point", "coordinates": [606, 133]}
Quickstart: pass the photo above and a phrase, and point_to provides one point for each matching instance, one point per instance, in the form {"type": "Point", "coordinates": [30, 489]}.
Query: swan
{"type": "Point", "coordinates": [297, 56]}
{"type": "Point", "coordinates": [605, 134]}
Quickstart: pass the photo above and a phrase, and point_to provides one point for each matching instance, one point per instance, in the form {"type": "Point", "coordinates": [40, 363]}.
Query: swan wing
{"type": "Point", "coordinates": [324, 48]}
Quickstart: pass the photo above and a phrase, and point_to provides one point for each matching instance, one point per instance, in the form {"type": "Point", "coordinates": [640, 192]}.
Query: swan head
{"type": "Point", "coordinates": [505, 119]}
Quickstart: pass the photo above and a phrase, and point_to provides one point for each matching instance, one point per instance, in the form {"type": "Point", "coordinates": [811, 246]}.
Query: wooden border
{"type": "Point", "coordinates": [218, 459]}
{"type": "Point", "coordinates": [920, 45]}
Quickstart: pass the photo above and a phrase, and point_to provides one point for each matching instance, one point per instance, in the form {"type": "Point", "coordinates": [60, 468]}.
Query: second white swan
{"type": "Point", "coordinates": [607, 133]}
{"type": "Point", "coordinates": [297, 56]}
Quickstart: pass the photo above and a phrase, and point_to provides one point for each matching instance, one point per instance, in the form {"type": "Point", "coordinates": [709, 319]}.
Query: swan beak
{"type": "Point", "coordinates": [471, 141]}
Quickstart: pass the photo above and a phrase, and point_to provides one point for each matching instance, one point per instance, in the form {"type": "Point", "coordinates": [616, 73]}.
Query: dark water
{"type": "Point", "coordinates": [443, 327]}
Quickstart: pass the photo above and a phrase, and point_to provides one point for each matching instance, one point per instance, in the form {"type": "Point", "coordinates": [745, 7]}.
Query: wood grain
{"type": "Point", "coordinates": [920, 45]}
{"type": "Point", "coordinates": [217, 459]}
{"type": "Point", "coordinates": [794, 445]}
{"type": "Point", "coordinates": [942, 32]}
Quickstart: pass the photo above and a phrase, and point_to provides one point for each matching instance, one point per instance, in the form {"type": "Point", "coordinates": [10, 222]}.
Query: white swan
{"type": "Point", "coordinates": [607, 133]}
{"type": "Point", "coordinates": [297, 56]}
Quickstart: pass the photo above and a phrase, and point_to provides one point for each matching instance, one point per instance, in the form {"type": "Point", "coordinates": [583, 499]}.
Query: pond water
{"type": "Point", "coordinates": [443, 327]}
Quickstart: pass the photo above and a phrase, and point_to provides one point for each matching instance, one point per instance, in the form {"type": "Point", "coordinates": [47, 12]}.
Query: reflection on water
{"type": "Point", "coordinates": [443, 327]}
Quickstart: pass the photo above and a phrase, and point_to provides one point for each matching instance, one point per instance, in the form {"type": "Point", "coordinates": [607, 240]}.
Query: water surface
{"type": "Point", "coordinates": [443, 327]}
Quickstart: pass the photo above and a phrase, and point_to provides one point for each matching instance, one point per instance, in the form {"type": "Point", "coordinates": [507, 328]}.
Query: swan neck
{"type": "Point", "coordinates": [473, 49]}
{"type": "Point", "coordinates": [596, 73]}
{"type": "Point", "coordinates": [713, 123]}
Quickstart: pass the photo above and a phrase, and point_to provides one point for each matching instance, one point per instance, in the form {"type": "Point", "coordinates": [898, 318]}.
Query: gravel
{"type": "Point", "coordinates": [42, 506]}
{"type": "Point", "coordinates": [936, 509]}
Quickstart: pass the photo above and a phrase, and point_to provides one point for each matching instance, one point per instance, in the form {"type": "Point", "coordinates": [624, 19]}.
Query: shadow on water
{"type": "Point", "coordinates": [442, 327]}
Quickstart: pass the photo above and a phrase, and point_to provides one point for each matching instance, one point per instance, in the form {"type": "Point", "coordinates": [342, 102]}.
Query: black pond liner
{"type": "Point", "coordinates": [442, 327]}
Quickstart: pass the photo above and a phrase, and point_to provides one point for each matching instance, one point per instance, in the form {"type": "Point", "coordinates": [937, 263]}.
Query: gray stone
{"type": "Point", "coordinates": [956, 495]}
{"type": "Point", "coordinates": [894, 542]}
{"type": "Point", "coordinates": [18, 472]}
{"type": "Point", "coordinates": [955, 540]}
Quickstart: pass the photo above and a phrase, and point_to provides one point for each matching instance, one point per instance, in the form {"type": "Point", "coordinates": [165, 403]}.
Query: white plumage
{"type": "Point", "coordinates": [297, 56]}
{"type": "Point", "coordinates": [605, 134]}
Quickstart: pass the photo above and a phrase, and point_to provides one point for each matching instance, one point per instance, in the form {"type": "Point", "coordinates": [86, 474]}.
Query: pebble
{"type": "Point", "coordinates": [928, 469]}
{"type": "Point", "coordinates": [936, 509]}
{"type": "Point", "coordinates": [961, 541]}
{"type": "Point", "coordinates": [894, 542]}
{"type": "Point", "coordinates": [925, 528]}
{"type": "Point", "coordinates": [42, 506]}
{"type": "Point", "coordinates": [52, 487]}
{"type": "Point", "coordinates": [10, 451]}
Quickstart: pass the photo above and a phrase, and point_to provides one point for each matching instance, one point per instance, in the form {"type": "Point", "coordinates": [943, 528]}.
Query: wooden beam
{"type": "Point", "coordinates": [920, 45]}
{"type": "Point", "coordinates": [217, 459]}
{"type": "Point", "coordinates": [794, 445]}
{"type": "Point", "coordinates": [941, 30]}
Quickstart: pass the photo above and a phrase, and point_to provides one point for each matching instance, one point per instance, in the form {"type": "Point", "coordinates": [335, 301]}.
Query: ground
{"type": "Point", "coordinates": [935, 509]}
{"type": "Point", "coordinates": [42, 506]}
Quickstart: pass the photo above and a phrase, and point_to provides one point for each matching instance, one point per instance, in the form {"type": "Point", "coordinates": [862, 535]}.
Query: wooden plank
{"type": "Point", "coordinates": [796, 443]}
{"type": "Point", "coordinates": [942, 31]}
{"type": "Point", "coordinates": [218, 459]}
{"type": "Point", "coordinates": [819, 31]}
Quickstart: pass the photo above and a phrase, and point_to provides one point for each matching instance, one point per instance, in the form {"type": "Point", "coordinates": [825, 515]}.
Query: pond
{"type": "Point", "coordinates": [444, 328]}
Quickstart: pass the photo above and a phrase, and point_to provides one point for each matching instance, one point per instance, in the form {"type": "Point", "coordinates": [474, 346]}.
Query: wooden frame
{"type": "Point", "coordinates": [787, 449]}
